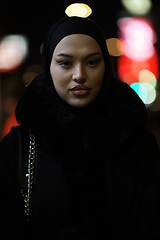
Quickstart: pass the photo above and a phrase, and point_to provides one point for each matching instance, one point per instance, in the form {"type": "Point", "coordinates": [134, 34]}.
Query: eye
{"type": "Point", "coordinates": [64, 64]}
{"type": "Point", "coordinates": [93, 63]}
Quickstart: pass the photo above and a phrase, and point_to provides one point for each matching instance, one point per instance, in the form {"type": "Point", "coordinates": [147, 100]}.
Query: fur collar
{"type": "Point", "coordinates": [117, 117]}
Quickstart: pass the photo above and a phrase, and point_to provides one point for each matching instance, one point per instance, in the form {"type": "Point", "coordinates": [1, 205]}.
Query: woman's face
{"type": "Point", "coordinates": [77, 69]}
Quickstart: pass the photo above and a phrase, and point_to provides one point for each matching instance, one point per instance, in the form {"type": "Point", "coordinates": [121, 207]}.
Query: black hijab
{"type": "Point", "coordinates": [77, 25]}
{"type": "Point", "coordinates": [68, 26]}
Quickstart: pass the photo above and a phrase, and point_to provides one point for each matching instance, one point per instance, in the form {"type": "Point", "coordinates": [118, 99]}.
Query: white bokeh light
{"type": "Point", "coordinates": [13, 51]}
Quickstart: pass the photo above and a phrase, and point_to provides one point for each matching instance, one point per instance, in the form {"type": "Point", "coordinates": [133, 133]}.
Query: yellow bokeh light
{"type": "Point", "coordinates": [78, 10]}
{"type": "Point", "coordinates": [31, 72]}
{"type": "Point", "coordinates": [146, 76]}
{"type": "Point", "coordinates": [115, 47]}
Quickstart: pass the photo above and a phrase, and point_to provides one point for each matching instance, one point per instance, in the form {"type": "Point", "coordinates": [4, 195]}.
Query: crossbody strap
{"type": "Point", "coordinates": [26, 165]}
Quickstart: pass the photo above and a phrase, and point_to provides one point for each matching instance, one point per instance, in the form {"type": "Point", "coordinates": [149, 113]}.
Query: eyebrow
{"type": "Point", "coordinates": [89, 55]}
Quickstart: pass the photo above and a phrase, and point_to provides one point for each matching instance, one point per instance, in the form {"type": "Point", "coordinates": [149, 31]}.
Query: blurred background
{"type": "Point", "coordinates": [132, 32]}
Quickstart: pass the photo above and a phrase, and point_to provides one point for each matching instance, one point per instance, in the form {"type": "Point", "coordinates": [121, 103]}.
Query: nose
{"type": "Point", "coordinates": [78, 74]}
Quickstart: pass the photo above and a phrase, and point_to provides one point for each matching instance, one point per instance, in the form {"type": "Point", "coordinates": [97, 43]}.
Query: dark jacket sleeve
{"type": "Point", "coordinates": [144, 220]}
{"type": "Point", "coordinates": [13, 223]}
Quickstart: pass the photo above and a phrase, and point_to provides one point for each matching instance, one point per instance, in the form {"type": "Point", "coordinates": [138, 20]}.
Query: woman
{"type": "Point", "coordinates": [97, 168]}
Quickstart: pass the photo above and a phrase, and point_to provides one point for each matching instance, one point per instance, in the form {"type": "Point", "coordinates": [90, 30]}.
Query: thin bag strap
{"type": "Point", "coordinates": [30, 174]}
{"type": "Point", "coordinates": [26, 166]}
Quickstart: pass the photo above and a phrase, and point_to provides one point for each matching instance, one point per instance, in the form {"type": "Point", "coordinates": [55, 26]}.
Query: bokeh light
{"type": "Point", "coordinates": [138, 38]}
{"type": "Point", "coordinates": [129, 69]}
{"type": "Point", "coordinates": [79, 10]}
{"type": "Point", "coordinates": [151, 93]}
{"type": "Point", "coordinates": [9, 123]}
{"type": "Point", "coordinates": [13, 51]}
{"type": "Point", "coordinates": [139, 64]}
{"type": "Point", "coordinates": [137, 7]}
{"type": "Point", "coordinates": [31, 72]}
{"type": "Point", "coordinates": [142, 92]}
{"type": "Point", "coordinates": [145, 91]}
{"type": "Point", "coordinates": [115, 47]}
{"type": "Point", "coordinates": [146, 76]}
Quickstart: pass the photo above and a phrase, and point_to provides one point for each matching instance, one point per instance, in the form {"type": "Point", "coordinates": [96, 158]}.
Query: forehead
{"type": "Point", "coordinates": [77, 43]}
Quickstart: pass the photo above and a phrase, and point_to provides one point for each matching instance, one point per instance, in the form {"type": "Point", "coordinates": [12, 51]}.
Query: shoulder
{"type": "Point", "coordinates": [9, 156]}
{"type": "Point", "coordinates": [8, 174]}
{"type": "Point", "coordinates": [138, 154]}
{"type": "Point", "coordinates": [138, 158]}
{"type": "Point", "coordinates": [150, 147]}
{"type": "Point", "coordinates": [149, 136]}
{"type": "Point", "coordinates": [9, 141]}
{"type": "Point", "coordinates": [147, 154]}
{"type": "Point", "coordinates": [9, 145]}
{"type": "Point", "coordinates": [148, 143]}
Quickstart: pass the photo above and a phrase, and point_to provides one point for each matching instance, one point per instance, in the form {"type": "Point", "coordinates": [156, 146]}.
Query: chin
{"type": "Point", "coordinates": [80, 104]}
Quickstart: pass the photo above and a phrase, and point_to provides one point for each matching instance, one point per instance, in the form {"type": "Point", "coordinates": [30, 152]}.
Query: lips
{"type": "Point", "coordinates": [80, 90]}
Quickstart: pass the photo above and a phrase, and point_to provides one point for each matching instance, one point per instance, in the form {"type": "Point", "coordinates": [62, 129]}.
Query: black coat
{"type": "Point", "coordinates": [95, 180]}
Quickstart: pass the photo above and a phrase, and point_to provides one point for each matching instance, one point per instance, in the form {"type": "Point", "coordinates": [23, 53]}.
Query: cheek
{"type": "Point", "coordinates": [55, 74]}
{"type": "Point", "coordinates": [98, 77]}
{"type": "Point", "coordinates": [59, 79]}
